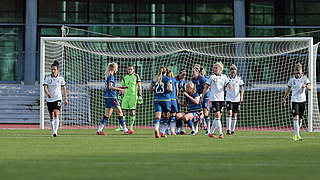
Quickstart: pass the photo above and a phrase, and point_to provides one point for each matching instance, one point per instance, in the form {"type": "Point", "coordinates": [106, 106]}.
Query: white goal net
{"type": "Point", "coordinates": [265, 65]}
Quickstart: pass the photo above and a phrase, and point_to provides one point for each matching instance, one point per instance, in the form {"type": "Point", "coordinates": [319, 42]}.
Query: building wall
{"type": "Point", "coordinates": [144, 18]}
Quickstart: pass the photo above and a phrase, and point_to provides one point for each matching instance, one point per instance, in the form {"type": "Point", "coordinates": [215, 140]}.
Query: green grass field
{"type": "Point", "coordinates": [80, 154]}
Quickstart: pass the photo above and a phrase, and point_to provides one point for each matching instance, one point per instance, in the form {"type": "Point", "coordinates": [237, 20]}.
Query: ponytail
{"type": "Point", "coordinates": [55, 63]}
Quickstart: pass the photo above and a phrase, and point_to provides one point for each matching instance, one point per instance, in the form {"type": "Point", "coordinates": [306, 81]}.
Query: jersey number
{"type": "Point", "coordinates": [159, 88]}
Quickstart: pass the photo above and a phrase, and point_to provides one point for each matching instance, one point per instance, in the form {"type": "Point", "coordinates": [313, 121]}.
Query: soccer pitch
{"type": "Point", "coordinates": [80, 154]}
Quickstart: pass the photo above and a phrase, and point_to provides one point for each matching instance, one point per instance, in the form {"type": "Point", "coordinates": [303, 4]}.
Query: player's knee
{"type": "Point", "coordinates": [234, 115]}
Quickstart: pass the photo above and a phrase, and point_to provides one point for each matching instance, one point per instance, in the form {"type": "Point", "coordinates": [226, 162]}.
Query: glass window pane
{"type": "Point", "coordinates": [171, 6]}
{"type": "Point", "coordinates": [12, 11]}
{"type": "Point", "coordinates": [169, 31]}
{"type": "Point", "coordinates": [170, 18]}
{"type": "Point", "coordinates": [308, 19]}
{"type": "Point", "coordinates": [269, 32]}
{"type": "Point", "coordinates": [261, 19]}
{"type": "Point", "coordinates": [98, 17]}
{"type": "Point", "coordinates": [210, 32]}
{"type": "Point", "coordinates": [144, 31]}
{"type": "Point", "coordinates": [122, 18]}
{"type": "Point", "coordinates": [143, 6]}
{"type": "Point", "coordinates": [124, 31]}
{"type": "Point", "coordinates": [307, 6]}
{"type": "Point", "coordinates": [48, 32]}
{"type": "Point", "coordinates": [217, 6]}
{"type": "Point", "coordinates": [9, 54]}
{"type": "Point", "coordinates": [143, 18]}
{"type": "Point", "coordinates": [52, 11]}
{"type": "Point", "coordinates": [99, 31]}
{"type": "Point", "coordinates": [212, 19]}
{"type": "Point", "coordinates": [122, 6]}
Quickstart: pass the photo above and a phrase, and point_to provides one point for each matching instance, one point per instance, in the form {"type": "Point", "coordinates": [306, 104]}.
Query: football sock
{"type": "Point", "coordinates": [208, 121]}
{"type": "Point", "coordinates": [196, 126]}
{"type": "Point", "coordinates": [233, 124]}
{"type": "Point", "coordinates": [132, 120]}
{"type": "Point", "coordinates": [161, 125]}
{"type": "Point", "coordinates": [166, 123]}
{"type": "Point", "coordinates": [56, 124]}
{"type": "Point", "coordinates": [123, 123]}
{"type": "Point", "coordinates": [156, 123]}
{"type": "Point", "coordinates": [219, 125]}
{"type": "Point", "coordinates": [51, 124]}
{"type": "Point", "coordinates": [103, 123]}
{"type": "Point", "coordinates": [296, 126]}
{"type": "Point", "coordinates": [172, 123]}
{"type": "Point", "coordinates": [213, 127]}
{"type": "Point", "coordinates": [228, 118]}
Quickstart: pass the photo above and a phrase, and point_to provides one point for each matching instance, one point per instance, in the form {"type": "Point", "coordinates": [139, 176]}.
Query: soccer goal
{"type": "Point", "coordinates": [265, 64]}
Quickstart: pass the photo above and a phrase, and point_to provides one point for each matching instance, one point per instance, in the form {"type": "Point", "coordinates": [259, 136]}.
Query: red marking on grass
{"type": "Point", "coordinates": [37, 126]}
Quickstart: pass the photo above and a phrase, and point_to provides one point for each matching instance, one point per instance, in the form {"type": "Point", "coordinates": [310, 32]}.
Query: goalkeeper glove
{"type": "Point", "coordinates": [140, 100]}
{"type": "Point", "coordinates": [119, 98]}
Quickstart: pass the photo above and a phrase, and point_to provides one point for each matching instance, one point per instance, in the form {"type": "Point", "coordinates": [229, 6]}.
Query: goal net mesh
{"type": "Point", "coordinates": [264, 65]}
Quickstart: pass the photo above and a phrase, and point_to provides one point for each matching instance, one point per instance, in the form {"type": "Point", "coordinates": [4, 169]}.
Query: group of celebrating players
{"type": "Point", "coordinates": [201, 95]}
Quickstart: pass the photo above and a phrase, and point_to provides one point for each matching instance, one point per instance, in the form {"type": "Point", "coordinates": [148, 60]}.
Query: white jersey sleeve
{"type": "Point", "coordinates": [46, 80]}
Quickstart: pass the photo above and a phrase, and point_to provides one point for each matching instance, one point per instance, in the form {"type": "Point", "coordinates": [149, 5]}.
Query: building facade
{"type": "Point", "coordinates": [23, 22]}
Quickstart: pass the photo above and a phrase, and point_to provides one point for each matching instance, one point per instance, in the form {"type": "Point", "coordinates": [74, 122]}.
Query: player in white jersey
{"type": "Point", "coordinates": [298, 84]}
{"type": "Point", "coordinates": [233, 99]}
{"type": "Point", "coordinates": [217, 83]}
{"type": "Point", "coordinates": [53, 84]}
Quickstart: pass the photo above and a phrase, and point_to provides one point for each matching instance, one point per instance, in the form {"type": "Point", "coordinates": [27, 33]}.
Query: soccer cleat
{"type": "Point", "coordinates": [183, 133]}
{"type": "Point", "coordinates": [232, 133]}
{"type": "Point", "coordinates": [128, 132]}
{"type": "Point", "coordinates": [228, 132]}
{"type": "Point", "coordinates": [131, 129]}
{"type": "Point", "coordinates": [299, 138]}
{"type": "Point", "coordinates": [156, 134]}
{"type": "Point", "coordinates": [173, 133]}
{"type": "Point", "coordinates": [163, 135]}
{"type": "Point", "coordinates": [212, 135]}
{"type": "Point", "coordinates": [221, 136]}
{"type": "Point", "coordinates": [100, 133]}
{"type": "Point", "coordinates": [192, 133]}
{"type": "Point", "coordinates": [294, 137]}
{"type": "Point", "coordinates": [54, 135]}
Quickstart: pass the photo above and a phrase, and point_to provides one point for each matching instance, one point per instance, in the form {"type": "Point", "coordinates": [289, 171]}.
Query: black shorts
{"type": "Point", "coordinates": [54, 105]}
{"type": "Point", "coordinates": [298, 108]}
{"type": "Point", "coordinates": [233, 106]}
{"type": "Point", "coordinates": [217, 106]}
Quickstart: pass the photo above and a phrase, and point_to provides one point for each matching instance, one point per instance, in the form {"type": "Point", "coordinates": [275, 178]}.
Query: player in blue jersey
{"type": "Point", "coordinates": [203, 73]}
{"type": "Point", "coordinates": [162, 86]}
{"type": "Point", "coordinates": [111, 99]}
{"type": "Point", "coordinates": [180, 78]}
{"type": "Point", "coordinates": [199, 81]}
{"type": "Point", "coordinates": [194, 108]}
{"type": "Point", "coordinates": [174, 103]}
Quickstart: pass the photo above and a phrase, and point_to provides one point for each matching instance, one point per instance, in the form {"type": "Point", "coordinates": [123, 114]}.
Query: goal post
{"type": "Point", "coordinates": [265, 64]}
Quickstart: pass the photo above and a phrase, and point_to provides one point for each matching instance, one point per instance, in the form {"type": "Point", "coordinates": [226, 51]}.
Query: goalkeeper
{"type": "Point", "coordinates": [133, 94]}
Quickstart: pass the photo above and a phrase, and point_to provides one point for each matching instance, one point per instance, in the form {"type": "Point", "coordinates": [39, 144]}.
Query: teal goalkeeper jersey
{"type": "Point", "coordinates": [132, 82]}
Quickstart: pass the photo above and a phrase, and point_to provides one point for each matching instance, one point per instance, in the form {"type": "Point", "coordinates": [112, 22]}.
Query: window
{"type": "Point", "coordinates": [12, 11]}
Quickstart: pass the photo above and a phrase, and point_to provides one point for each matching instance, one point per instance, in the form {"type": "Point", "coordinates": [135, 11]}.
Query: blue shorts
{"type": "Point", "coordinates": [196, 116]}
{"type": "Point", "coordinates": [162, 106]}
{"type": "Point", "coordinates": [112, 102]}
{"type": "Point", "coordinates": [174, 106]}
{"type": "Point", "coordinates": [206, 104]}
